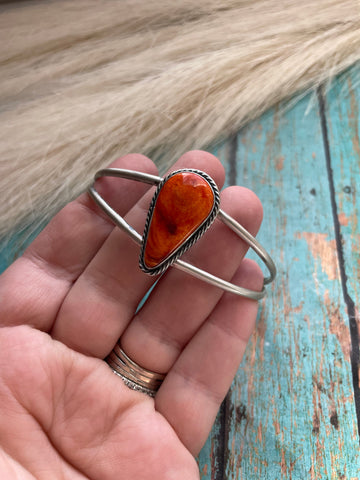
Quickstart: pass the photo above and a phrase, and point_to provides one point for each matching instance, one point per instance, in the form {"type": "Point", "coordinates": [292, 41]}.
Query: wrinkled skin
{"type": "Point", "coordinates": [65, 303]}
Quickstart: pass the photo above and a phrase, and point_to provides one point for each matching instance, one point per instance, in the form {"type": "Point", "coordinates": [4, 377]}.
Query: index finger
{"type": "Point", "coordinates": [34, 286]}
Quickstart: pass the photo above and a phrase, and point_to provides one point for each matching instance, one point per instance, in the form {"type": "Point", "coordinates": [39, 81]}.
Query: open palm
{"type": "Point", "coordinates": [65, 303]}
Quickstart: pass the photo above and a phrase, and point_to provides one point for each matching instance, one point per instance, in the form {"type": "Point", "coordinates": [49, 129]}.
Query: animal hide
{"type": "Point", "coordinates": [82, 83]}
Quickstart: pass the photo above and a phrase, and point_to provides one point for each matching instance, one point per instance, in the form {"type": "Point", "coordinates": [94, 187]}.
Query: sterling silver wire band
{"type": "Point", "coordinates": [180, 264]}
{"type": "Point", "coordinates": [135, 377]}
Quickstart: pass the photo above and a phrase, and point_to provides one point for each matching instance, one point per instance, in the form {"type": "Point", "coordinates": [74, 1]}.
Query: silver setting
{"type": "Point", "coordinates": [193, 238]}
{"type": "Point", "coordinates": [238, 229]}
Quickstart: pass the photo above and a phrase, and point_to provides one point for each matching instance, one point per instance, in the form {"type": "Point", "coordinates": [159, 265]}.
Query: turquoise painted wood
{"type": "Point", "coordinates": [12, 248]}
{"type": "Point", "coordinates": [290, 413]}
{"type": "Point", "coordinates": [343, 113]}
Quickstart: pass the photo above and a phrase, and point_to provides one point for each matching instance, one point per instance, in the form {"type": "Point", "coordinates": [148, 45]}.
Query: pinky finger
{"type": "Point", "coordinates": [196, 385]}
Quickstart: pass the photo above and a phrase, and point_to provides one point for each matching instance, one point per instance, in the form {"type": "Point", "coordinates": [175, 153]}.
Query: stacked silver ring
{"type": "Point", "coordinates": [134, 376]}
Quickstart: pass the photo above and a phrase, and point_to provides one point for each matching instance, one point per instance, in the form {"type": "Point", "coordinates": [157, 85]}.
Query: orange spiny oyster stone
{"type": "Point", "coordinates": [184, 202]}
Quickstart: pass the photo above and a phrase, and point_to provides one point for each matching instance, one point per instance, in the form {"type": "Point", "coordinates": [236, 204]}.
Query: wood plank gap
{"type": "Point", "coordinates": [354, 333]}
{"type": "Point", "coordinates": [222, 452]}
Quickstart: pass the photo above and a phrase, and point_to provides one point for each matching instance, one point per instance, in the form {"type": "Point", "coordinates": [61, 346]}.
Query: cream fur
{"type": "Point", "coordinates": [82, 83]}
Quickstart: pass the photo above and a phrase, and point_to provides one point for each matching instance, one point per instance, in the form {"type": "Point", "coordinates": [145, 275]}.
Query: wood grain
{"type": "Point", "coordinates": [342, 112]}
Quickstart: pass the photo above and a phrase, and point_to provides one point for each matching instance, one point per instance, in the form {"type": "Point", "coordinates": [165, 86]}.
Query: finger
{"type": "Point", "coordinates": [198, 382]}
{"type": "Point", "coordinates": [180, 303]}
{"type": "Point", "coordinates": [105, 297]}
{"type": "Point", "coordinates": [33, 288]}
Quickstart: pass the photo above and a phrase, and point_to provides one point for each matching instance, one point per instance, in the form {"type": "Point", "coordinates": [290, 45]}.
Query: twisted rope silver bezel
{"type": "Point", "coordinates": [193, 238]}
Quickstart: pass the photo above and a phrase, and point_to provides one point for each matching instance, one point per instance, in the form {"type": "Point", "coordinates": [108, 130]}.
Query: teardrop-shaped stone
{"type": "Point", "coordinates": [184, 202]}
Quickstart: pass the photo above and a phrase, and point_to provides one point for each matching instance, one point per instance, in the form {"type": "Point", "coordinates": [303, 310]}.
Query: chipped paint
{"type": "Point", "coordinates": [338, 327]}
{"type": "Point", "coordinates": [353, 120]}
{"type": "Point", "coordinates": [343, 219]}
{"type": "Point", "coordinates": [291, 409]}
{"type": "Point", "coordinates": [279, 164]}
{"type": "Point", "coordinates": [324, 250]}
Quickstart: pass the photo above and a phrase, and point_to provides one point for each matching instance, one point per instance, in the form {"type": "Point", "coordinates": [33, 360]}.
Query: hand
{"type": "Point", "coordinates": [65, 303]}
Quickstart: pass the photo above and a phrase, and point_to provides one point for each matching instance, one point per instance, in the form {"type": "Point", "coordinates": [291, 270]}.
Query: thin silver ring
{"type": "Point", "coordinates": [178, 263]}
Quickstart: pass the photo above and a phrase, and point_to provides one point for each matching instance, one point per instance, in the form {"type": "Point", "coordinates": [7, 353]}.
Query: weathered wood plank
{"type": "Point", "coordinates": [290, 413]}
{"type": "Point", "coordinates": [343, 119]}
{"type": "Point", "coordinates": [343, 123]}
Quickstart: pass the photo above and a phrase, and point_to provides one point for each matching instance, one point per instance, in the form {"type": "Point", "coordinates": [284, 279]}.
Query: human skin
{"type": "Point", "coordinates": [65, 303]}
